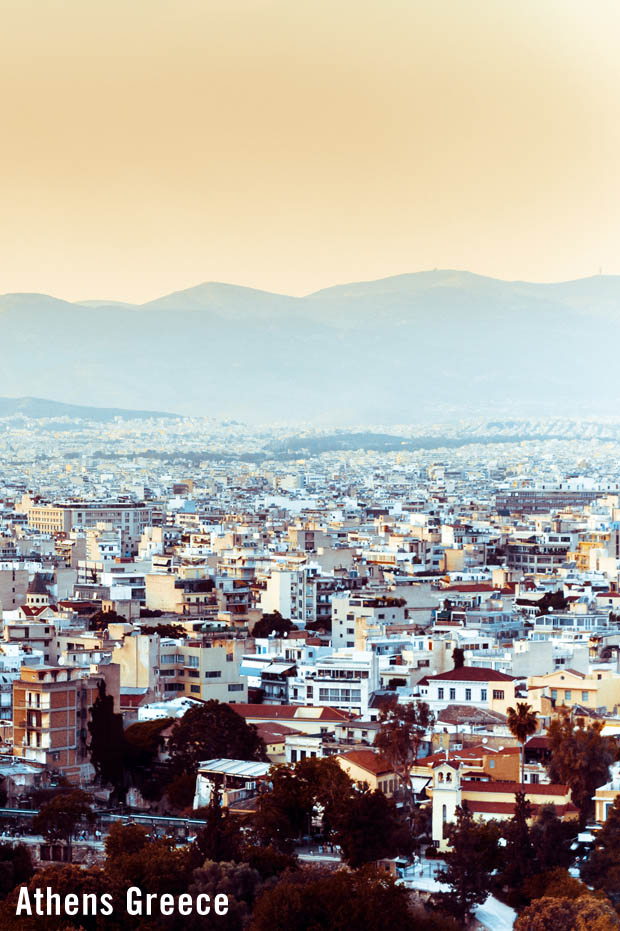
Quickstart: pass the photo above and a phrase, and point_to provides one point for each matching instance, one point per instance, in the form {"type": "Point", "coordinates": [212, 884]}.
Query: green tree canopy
{"type": "Point", "coordinates": [272, 623]}
{"type": "Point", "coordinates": [580, 758]}
{"type": "Point", "coordinates": [368, 828]}
{"type": "Point", "coordinates": [210, 731]}
{"type": "Point", "coordinates": [61, 817]}
{"type": "Point", "coordinates": [402, 731]}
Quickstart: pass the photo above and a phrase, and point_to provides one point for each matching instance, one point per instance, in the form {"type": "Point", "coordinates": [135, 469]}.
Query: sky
{"type": "Point", "coordinates": [293, 144]}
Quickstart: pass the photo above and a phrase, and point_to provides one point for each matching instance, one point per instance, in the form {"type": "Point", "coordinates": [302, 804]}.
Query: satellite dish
{"type": "Point", "coordinates": [485, 740]}
{"type": "Point", "coordinates": [500, 748]}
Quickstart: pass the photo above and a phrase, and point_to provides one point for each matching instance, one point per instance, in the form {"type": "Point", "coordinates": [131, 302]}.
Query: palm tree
{"type": "Point", "coordinates": [523, 722]}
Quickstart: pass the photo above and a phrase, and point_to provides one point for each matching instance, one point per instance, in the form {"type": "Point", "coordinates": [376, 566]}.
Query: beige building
{"type": "Point", "coordinates": [599, 689]}
{"type": "Point", "coordinates": [370, 768]}
{"type": "Point", "coordinates": [128, 517]}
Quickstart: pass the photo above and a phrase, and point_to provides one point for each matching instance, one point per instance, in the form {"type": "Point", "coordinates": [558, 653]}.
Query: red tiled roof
{"type": "Point", "coordinates": [274, 733]}
{"type": "Point", "coordinates": [369, 760]}
{"type": "Point", "coordinates": [500, 788]}
{"type": "Point", "coordinates": [508, 808]}
{"type": "Point", "coordinates": [291, 712]}
{"type": "Point", "coordinates": [472, 674]}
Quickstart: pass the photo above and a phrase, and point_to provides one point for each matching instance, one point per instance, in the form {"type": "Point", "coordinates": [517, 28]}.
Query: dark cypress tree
{"type": "Point", "coordinates": [107, 741]}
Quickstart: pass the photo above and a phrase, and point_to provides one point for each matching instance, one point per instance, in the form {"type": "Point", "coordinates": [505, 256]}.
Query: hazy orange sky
{"type": "Point", "coordinates": [149, 145]}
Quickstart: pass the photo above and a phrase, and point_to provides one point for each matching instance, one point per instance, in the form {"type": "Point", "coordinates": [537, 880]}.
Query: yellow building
{"type": "Point", "coordinates": [568, 688]}
{"type": "Point", "coordinates": [367, 766]}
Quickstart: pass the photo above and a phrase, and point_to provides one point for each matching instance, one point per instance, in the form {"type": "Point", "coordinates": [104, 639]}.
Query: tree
{"type": "Point", "coordinates": [64, 880]}
{"type": "Point", "coordinates": [219, 839]}
{"type": "Point", "coordinates": [314, 899]}
{"type": "Point", "coordinates": [557, 884]}
{"type": "Point", "coordinates": [60, 818]}
{"type": "Point", "coordinates": [602, 868]}
{"type": "Point", "coordinates": [368, 829]}
{"type": "Point", "coordinates": [458, 657]}
{"type": "Point", "coordinates": [15, 866]}
{"type": "Point", "coordinates": [238, 881]}
{"type": "Point", "coordinates": [519, 862]}
{"type": "Point", "coordinates": [284, 814]}
{"type": "Point", "coordinates": [583, 914]}
{"type": "Point", "coordinates": [402, 730]}
{"type": "Point", "coordinates": [107, 741]}
{"type": "Point", "coordinates": [469, 864]}
{"type": "Point", "coordinates": [551, 839]}
{"type": "Point", "coordinates": [210, 731]}
{"type": "Point", "coordinates": [142, 742]}
{"type": "Point", "coordinates": [272, 623]}
{"type": "Point", "coordinates": [298, 791]}
{"type": "Point", "coordinates": [522, 722]}
{"type": "Point", "coordinates": [134, 859]}
{"type": "Point", "coordinates": [101, 619]}
{"type": "Point", "coordinates": [580, 758]}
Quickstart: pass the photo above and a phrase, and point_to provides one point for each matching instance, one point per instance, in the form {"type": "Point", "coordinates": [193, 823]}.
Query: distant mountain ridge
{"type": "Point", "coordinates": [40, 408]}
{"type": "Point", "coordinates": [427, 345]}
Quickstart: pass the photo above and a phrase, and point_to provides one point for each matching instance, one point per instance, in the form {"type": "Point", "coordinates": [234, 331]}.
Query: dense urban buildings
{"type": "Point", "coordinates": [169, 567]}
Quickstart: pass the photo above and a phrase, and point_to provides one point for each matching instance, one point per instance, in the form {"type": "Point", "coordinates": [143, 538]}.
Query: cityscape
{"type": "Point", "coordinates": [310, 466]}
{"type": "Point", "coordinates": [259, 661]}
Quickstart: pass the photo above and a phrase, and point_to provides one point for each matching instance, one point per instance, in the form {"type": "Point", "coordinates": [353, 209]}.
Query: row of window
{"type": "Point", "coordinates": [568, 695]}
{"type": "Point", "coordinates": [498, 694]}
{"type": "Point", "coordinates": [340, 695]}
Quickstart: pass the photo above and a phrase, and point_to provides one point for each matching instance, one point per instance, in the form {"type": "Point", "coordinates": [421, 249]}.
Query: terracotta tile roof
{"type": "Point", "coordinates": [291, 712]}
{"type": "Point", "coordinates": [508, 808]}
{"type": "Point", "coordinates": [373, 762]}
{"type": "Point", "coordinates": [274, 733]}
{"type": "Point", "coordinates": [471, 674]}
{"type": "Point", "coordinates": [499, 788]}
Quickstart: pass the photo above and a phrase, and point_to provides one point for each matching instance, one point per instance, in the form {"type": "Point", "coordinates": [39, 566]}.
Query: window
{"type": "Point", "coordinates": [440, 694]}
{"type": "Point", "coordinates": [229, 657]}
{"type": "Point", "coordinates": [498, 694]}
{"type": "Point", "coordinates": [585, 696]}
{"type": "Point", "coordinates": [483, 694]}
{"type": "Point", "coordinates": [212, 674]}
{"type": "Point", "coordinates": [235, 687]}
{"type": "Point", "coordinates": [554, 693]}
{"type": "Point", "coordinates": [195, 688]}
{"type": "Point", "coordinates": [568, 694]}
{"type": "Point", "coordinates": [491, 764]}
{"type": "Point", "coordinates": [467, 694]}
{"type": "Point", "coordinates": [452, 694]}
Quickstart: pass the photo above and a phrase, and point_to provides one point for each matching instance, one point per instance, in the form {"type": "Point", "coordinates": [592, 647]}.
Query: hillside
{"type": "Point", "coordinates": [424, 346]}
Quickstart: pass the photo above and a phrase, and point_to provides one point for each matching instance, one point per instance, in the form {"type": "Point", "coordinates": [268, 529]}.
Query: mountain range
{"type": "Point", "coordinates": [424, 346]}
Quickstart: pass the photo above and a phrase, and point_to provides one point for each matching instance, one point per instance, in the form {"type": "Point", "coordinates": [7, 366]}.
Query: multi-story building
{"type": "Point", "coordinates": [51, 708]}
{"type": "Point", "coordinates": [128, 517]}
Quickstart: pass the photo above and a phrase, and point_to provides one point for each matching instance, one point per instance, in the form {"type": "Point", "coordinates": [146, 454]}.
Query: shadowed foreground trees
{"type": "Point", "coordinates": [61, 817]}
{"type": "Point", "coordinates": [583, 914]}
{"type": "Point", "coordinates": [364, 900]}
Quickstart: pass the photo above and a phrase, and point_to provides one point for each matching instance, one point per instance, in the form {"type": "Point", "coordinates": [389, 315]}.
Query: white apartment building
{"type": "Point", "coordinates": [344, 680]}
